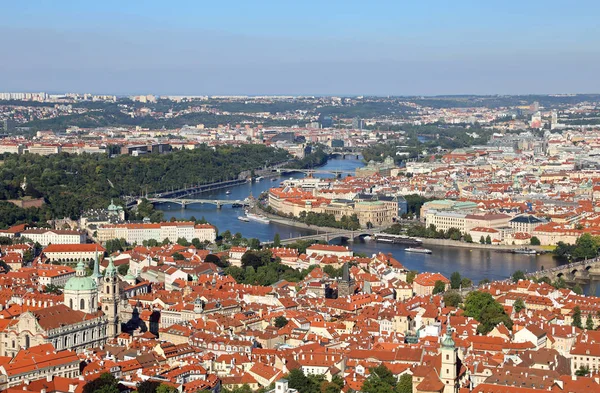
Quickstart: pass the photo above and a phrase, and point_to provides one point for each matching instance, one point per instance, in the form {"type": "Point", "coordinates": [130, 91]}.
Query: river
{"type": "Point", "coordinates": [226, 217]}
{"type": "Point", "coordinates": [475, 264]}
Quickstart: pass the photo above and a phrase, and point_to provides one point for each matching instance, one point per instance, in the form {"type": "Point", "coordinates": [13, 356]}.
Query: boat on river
{"type": "Point", "coordinates": [419, 250]}
{"type": "Point", "coordinates": [397, 239]}
{"type": "Point", "coordinates": [525, 250]}
{"type": "Point", "coordinates": [257, 218]}
{"type": "Point", "coordinates": [244, 219]}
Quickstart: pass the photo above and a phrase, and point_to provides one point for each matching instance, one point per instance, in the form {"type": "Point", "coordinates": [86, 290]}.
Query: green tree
{"type": "Point", "coordinates": [455, 280]}
{"type": "Point", "coordinates": [534, 241]}
{"type": "Point", "coordinates": [381, 380]}
{"type": "Point", "coordinates": [182, 241]}
{"type": "Point", "coordinates": [123, 269]}
{"type": "Point", "coordinates": [4, 266]}
{"type": "Point", "coordinates": [482, 240]}
{"type": "Point", "coordinates": [559, 283]}
{"type": "Point", "coordinates": [452, 299]}
{"type": "Point", "coordinates": [488, 239]}
{"type": "Point", "coordinates": [277, 240]}
{"type": "Point", "coordinates": [439, 287]}
{"type": "Point", "coordinates": [544, 279]}
{"type": "Point", "coordinates": [254, 243]}
{"type": "Point", "coordinates": [410, 276]}
{"type": "Point", "coordinates": [256, 259]}
{"type": "Point", "coordinates": [164, 388]}
{"type": "Point", "coordinates": [486, 310]}
{"type": "Point", "coordinates": [148, 387]}
{"type": "Point", "coordinates": [466, 282]}
{"type": "Point", "coordinates": [582, 371]}
{"type": "Point", "coordinates": [178, 257]}
{"type": "Point", "coordinates": [280, 321]}
{"type": "Point", "coordinates": [577, 289]}
{"type": "Point", "coordinates": [51, 288]}
{"type": "Point", "coordinates": [518, 305]}
{"type": "Point", "coordinates": [564, 250]}
{"type": "Point", "coordinates": [468, 238]}
{"type": "Point", "coordinates": [454, 233]}
{"type": "Point", "coordinates": [589, 322]}
{"type": "Point", "coordinates": [484, 281]}
{"type": "Point", "coordinates": [518, 275]}
{"type": "Point", "coordinates": [586, 246]}
{"type": "Point", "coordinates": [105, 383]}
{"type": "Point", "coordinates": [405, 384]}
{"type": "Point", "coordinates": [577, 317]}
{"type": "Point", "coordinates": [297, 380]}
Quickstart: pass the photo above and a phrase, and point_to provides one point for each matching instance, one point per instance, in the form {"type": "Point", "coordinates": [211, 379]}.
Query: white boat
{"type": "Point", "coordinates": [526, 251]}
{"type": "Point", "coordinates": [419, 250]}
{"type": "Point", "coordinates": [258, 218]}
{"type": "Point", "coordinates": [242, 218]}
{"type": "Point", "coordinates": [258, 179]}
{"type": "Point", "coordinates": [367, 238]}
{"type": "Point", "coordinates": [227, 192]}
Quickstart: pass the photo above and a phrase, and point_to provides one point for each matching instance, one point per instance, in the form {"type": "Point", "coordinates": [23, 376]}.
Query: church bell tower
{"type": "Point", "coordinates": [110, 299]}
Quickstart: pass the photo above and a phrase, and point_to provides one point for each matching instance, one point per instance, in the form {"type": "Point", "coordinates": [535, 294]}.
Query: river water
{"type": "Point", "coordinates": [475, 264]}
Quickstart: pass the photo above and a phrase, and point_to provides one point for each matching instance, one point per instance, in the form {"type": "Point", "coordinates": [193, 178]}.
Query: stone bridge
{"type": "Point", "coordinates": [582, 272]}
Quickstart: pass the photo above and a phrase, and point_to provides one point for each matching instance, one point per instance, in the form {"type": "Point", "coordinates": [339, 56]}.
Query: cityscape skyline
{"type": "Point", "coordinates": [309, 49]}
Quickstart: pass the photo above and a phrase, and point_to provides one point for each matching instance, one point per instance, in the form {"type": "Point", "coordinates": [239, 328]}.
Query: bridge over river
{"type": "Point", "coordinates": [188, 201]}
{"type": "Point", "coordinates": [582, 272]}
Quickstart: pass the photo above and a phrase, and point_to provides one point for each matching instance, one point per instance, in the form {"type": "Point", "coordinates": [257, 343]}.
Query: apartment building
{"type": "Point", "coordinates": [54, 236]}
{"type": "Point", "coordinates": [138, 233]}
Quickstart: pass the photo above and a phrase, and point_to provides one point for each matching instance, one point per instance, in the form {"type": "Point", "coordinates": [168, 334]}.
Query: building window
{"type": "Point", "coordinates": [82, 304]}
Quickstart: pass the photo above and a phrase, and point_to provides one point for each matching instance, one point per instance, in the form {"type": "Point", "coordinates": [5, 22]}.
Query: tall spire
{"type": "Point", "coordinates": [345, 272]}
{"type": "Point", "coordinates": [96, 273]}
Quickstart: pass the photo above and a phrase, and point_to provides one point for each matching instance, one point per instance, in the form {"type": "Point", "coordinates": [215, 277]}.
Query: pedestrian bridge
{"type": "Point", "coordinates": [576, 272]}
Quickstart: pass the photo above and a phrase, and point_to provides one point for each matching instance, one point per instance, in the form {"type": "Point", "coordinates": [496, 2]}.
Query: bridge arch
{"type": "Point", "coordinates": [349, 236]}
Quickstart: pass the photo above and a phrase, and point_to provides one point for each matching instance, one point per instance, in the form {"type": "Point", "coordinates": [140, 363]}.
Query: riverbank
{"type": "Point", "coordinates": [291, 223]}
{"type": "Point", "coordinates": [493, 247]}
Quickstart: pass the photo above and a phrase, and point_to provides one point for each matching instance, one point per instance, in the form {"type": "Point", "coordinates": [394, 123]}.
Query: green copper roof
{"type": "Point", "coordinates": [111, 270]}
{"type": "Point", "coordinates": [447, 341]}
{"type": "Point", "coordinates": [80, 282]}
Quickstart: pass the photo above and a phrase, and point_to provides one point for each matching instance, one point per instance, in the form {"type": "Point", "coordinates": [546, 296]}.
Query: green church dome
{"type": "Point", "coordinates": [80, 282]}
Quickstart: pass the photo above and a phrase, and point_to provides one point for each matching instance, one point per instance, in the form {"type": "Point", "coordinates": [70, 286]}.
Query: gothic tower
{"type": "Point", "coordinates": [110, 299]}
{"type": "Point", "coordinates": [449, 370]}
{"type": "Point", "coordinates": [346, 284]}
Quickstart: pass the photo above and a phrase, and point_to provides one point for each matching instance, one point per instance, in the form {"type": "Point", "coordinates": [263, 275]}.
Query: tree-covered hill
{"type": "Point", "coordinates": [73, 183]}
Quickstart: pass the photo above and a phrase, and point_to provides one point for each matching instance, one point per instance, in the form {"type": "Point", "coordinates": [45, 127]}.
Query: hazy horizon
{"type": "Point", "coordinates": [343, 48]}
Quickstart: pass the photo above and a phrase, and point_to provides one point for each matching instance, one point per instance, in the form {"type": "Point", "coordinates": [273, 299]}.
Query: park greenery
{"type": "Point", "coordinates": [381, 380]}
{"type": "Point", "coordinates": [71, 184]}
{"type": "Point", "coordinates": [260, 268]}
{"type": "Point", "coordinates": [585, 247]}
{"type": "Point", "coordinates": [313, 383]}
{"type": "Point", "coordinates": [486, 310]}
{"type": "Point", "coordinates": [430, 232]}
{"type": "Point", "coordinates": [105, 383]}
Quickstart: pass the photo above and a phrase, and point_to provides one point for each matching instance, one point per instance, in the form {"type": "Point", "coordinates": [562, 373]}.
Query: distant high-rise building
{"type": "Point", "coordinates": [534, 107]}
{"type": "Point", "coordinates": [357, 123]}
{"type": "Point", "coordinates": [8, 125]}
{"type": "Point", "coordinates": [554, 120]}
{"type": "Point", "coordinates": [326, 121]}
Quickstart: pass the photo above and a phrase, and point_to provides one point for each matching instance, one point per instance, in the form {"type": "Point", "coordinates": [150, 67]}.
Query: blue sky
{"type": "Point", "coordinates": [301, 47]}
